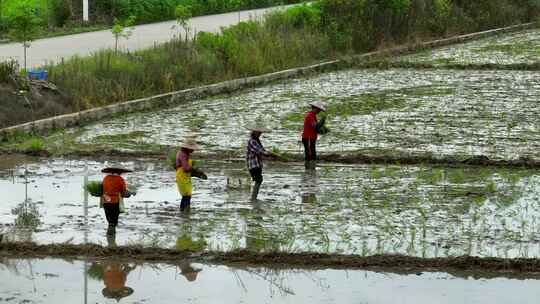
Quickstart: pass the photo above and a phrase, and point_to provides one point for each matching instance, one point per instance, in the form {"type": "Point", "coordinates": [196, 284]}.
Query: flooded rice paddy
{"type": "Point", "coordinates": [362, 209]}
{"type": "Point", "coordinates": [517, 48]}
{"type": "Point", "coordinates": [358, 210]}
{"type": "Point", "coordinates": [435, 113]}
{"type": "Point", "coordinates": [110, 281]}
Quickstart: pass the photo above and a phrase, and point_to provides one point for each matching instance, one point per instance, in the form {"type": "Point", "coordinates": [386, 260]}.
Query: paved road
{"type": "Point", "coordinates": [144, 36]}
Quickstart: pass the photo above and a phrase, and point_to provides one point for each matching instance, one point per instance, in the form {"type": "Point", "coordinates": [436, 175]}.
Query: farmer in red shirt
{"type": "Point", "coordinates": [309, 134]}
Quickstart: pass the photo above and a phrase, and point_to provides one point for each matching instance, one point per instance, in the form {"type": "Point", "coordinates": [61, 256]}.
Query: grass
{"type": "Point", "coordinates": [186, 243]}
{"type": "Point", "coordinates": [177, 65]}
{"type": "Point", "coordinates": [518, 48]}
{"type": "Point", "coordinates": [283, 156]}
{"type": "Point", "coordinates": [134, 136]}
{"type": "Point", "coordinates": [25, 144]}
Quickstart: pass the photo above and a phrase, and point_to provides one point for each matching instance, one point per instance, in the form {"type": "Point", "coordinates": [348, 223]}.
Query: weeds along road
{"type": "Point", "coordinates": [54, 49]}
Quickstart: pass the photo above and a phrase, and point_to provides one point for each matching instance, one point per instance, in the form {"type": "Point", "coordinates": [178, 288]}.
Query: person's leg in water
{"type": "Point", "coordinates": [256, 175]}
{"type": "Point", "coordinates": [112, 211]}
{"type": "Point", "coordinates": [185, 188]}
{"type": "Point", "coordinates": [310, 152]}
{"type": "Point", "coordinates": [185, 204]}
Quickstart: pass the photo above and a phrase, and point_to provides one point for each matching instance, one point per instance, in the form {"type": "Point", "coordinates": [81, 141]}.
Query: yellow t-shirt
{"type": "Point", "coordinates": [183, 180]}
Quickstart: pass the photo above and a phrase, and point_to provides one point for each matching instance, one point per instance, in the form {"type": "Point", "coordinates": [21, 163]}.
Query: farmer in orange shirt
{"type": "Point", "coordinates": [114, 189]}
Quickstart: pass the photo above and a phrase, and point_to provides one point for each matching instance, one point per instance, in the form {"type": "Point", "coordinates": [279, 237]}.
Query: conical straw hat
{"type": "Point", "coordinates": [258, 127]}
{"type": "Point", "coordinates": [190, 143]}
{"type": "Point", "coordinates": [116, 170]}
{"type": "Point", "coordinates": [318, 105]}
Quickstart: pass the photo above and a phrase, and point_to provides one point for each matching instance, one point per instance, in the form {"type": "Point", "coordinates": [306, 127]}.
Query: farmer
{"type": "Point", "coordinates": [254, 154]}
{"type": "Point", "coordinates": [309, 133]}
{"type": "Point", "coordinates": [114, 190]}
{"type": "Point", "coordinates": [185, 170]}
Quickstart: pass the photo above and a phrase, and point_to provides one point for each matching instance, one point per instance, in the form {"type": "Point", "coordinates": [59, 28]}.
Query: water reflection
{"type": "Point", "coordinates": [309, 187]}
{"type": "Point", "coordinates": [55, 281]}
{"type": "Point", "coordinates": [27, 218]}
{"type": "Point", "coordinates": [114, 276]}
{"type": "Point", "coordinates": [188, 271]}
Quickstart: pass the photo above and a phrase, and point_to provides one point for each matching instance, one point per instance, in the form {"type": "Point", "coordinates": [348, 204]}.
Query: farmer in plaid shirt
{"type": "Point", "coordinates": [254, 154]}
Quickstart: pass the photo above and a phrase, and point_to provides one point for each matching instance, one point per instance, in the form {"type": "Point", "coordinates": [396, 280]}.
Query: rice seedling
{"type": "Point", "coordinates": [280, 154]}
{"type": "Point", "coordinates": [95, 188]}
{"type": "Point", "coordinates": [186, 243]}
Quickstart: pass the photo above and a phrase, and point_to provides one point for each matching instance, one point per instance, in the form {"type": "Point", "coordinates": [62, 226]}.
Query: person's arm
{"type": "Point", "coordinates": [125, 193]}
{"type": "Point", "coordinates": [257, 148]}
{"type": "Point", "coordinates": [123, 184]}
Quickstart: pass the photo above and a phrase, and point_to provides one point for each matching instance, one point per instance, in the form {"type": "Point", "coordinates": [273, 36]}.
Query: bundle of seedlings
{"type": "Point", "coordinates": [321, 127]}
{"type": "Point", "coordinates": [195, 171]}
{"type": "Point", "coordinates": [280, 154]}
{"type": "Point", "coordinates": [95, 188]}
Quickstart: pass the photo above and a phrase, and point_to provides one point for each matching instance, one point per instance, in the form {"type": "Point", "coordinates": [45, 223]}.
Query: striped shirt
{"type": "Point", "coordinates": [254, 153]}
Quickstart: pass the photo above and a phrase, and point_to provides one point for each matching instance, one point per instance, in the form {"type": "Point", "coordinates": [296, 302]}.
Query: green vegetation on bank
{"type": "Point", "coordinates": [65, 16]}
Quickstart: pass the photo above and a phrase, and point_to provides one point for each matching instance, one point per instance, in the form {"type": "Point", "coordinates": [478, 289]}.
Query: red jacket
{"type": "Point", "coordinates": [309, 132]}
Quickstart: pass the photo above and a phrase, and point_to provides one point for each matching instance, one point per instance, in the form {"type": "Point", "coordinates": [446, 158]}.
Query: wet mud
{"type": "Point", "coordinates": [243, 258]}
{"type": "Point", "coordinates": [368, 157]}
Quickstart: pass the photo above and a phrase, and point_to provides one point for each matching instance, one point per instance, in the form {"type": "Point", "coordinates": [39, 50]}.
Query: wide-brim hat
{"type": "Point", "coordinates": [318, 105]}
{"type": "Point", "coordinates": [258, 127]}
{"type": "Point", "coordinates": [116, 170]}
{"type": "Point", "coordinates": [190, 143]}
{"type": "Point", "coordinates": [117, 293]}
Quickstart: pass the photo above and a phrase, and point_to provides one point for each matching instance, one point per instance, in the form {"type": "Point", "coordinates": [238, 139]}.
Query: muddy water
{"type": "Point", "coordinates": [59, 281]}
{"type": "Point", "coordinates": [438, 113]}
{"type": "Point", "coordinates": [516, 48]}
{"type": "Point", "coordinates": [365, 210]}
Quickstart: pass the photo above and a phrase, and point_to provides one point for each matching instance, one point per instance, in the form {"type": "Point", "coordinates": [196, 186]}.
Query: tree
{"type": "Point", "coordinates": [237, 5]}
{"type": "Point", "coordinates": [122, 29]}
{"type": "Point", "coordinates": [182, 14]}
{"type": "Point", "coordinates": [24, 22]}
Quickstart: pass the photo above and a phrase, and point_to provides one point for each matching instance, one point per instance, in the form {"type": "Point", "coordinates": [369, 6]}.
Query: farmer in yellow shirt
{"type": "Point", "coordinates": [185, 170]}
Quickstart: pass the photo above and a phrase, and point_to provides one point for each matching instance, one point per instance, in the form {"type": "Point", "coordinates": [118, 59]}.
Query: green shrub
{"type": "Point", "coordinates": [36, 144]}
{"type": "Point", "coordinates": [61, 11]}
{"type": "Point", "coordinates": [8, 70]}
{"type": "Point", "coordinates": [303, 16]}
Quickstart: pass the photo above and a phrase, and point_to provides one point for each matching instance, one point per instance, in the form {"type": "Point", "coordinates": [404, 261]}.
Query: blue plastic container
{"type": "Point", "coordinates": [37, 74]}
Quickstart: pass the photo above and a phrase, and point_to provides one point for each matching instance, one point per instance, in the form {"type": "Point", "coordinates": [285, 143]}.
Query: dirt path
{"type": "Point", "coordinates": [246, 258]}
{"type": "Point", "coordinates": [344, 158]}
